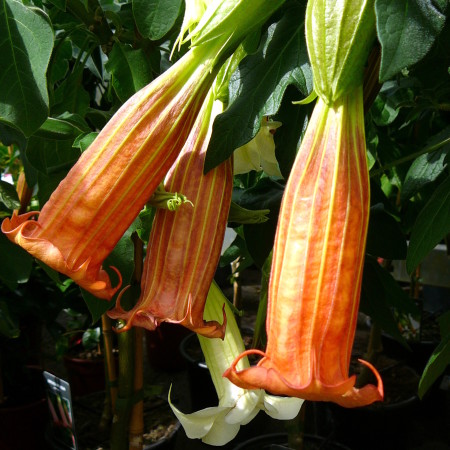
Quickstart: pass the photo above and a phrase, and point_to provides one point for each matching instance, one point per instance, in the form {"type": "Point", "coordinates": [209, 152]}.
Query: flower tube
{"type": "Point", "coordinates": [184, 246]}
{"type": "Point", "coordinates": [105, 190]}
{"type": "Point", "coordinates": [220, 424]}
{"type": "Point", "coordinates": [318, 257]}
{"type": "Point", "coordinates": [108, 186]}
{"type": "Point", "coordinates": [317, 266]}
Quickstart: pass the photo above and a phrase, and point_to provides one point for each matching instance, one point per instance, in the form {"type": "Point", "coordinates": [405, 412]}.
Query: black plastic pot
{"type": "Point", "coordinates": [23, 425]}
{"type": "Point", "coordinates": [202, 391]}
{"type": "Point", "coordinates": [279, 441]}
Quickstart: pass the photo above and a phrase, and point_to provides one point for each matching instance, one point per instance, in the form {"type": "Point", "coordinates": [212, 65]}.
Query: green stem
{"type": "Point", "coordinates": [124, 402]}
{"type": "Point", "coordinates": [430, 149]}
{"type": "Point", "coordinates": [128, 395]}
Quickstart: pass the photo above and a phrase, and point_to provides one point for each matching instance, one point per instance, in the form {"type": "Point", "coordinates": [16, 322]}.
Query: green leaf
{"type": "Point", "coordinates": [8, 195]}
{"type": "Point", "coordinates": [122, 258]}
{"type": "Point", "coordinates": [294, 119]}
{"type": "Point", "coordinates": [16, 268]}
{"type": "Point", "coordinates": [83, 141]}
{"type": "Point", "coordinates": [432, 224]}
{"type": "Point", "coordinates": [406, 29]}
{"type": "Point", "coordinates": [130, 70]}
{"type": "Point", "coordinates": [26, 42]}
{"type": "Point", "coordinates": [426, 168]}
{"type": "Point", "coordinates": [154, 18]}
{"type": "Point", "coordinates": [266, 194]}
{"type": "Point", "coordinates": [51, 155]}
{"type": "Point", "coordinates": [258, 85]}
{"type": "Point", "coordinates": [60, 128]}
{"type": "Point", "coordinates": [70, 96]}
{"type": "Point", "coordinates": [379, 293]}
{"type": "Point", "coordinates": [436, 365]}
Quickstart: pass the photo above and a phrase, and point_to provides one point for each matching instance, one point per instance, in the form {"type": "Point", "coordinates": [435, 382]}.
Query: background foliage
{"type": "Point", "coordinates": [68, 65]}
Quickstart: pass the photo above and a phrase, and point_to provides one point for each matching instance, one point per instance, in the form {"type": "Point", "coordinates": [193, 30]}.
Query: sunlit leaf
{"type": "Point", "coordinates": [26, 42]}
{"type": "Point", "coordinates": [258, 85]}
{"type": "Point", "coordinates": [406, 29]}
{"type": "Point", "coordinates": [154, 18]}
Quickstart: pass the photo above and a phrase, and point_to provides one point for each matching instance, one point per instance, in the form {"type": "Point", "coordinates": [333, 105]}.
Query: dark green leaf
{"type": "Point", "coordinates": [379, 293]}
{"type": "Point", "coordinates": [426, 168]}
{"type": "Point", "coordinates": [154, 18]}
{"type": "Point", "coordinates": [130, 70]}
{"type": "Point", "coordinates": [385, 238]}
{"type": "Point", "coordinates": [47, 184]}
{"type": "Point", "coordinates": [258, 85]}
{"type": "Point", "coordinates": [70, 96]}
{"type": "Point", "coordinates": [432, 224]}
{"type": "Point", "coordinates": [91, 338]}
{"type": "Point", "coordinates": [15, 268]}
{"type": "Point", "coordinates": [51, 155]}
{"type": "Point", "coordinates": [26, 42]}
{"type": "Point", "coordinates": [122, 258]}
{"type": "Point", "coordinates": [8, 326]}
{"type": "Point", "coordinates": [436, 365]}
{"type": "Point", "coordinates": [60, 128]}
{"type": "Point", "coordinates": [8, 195]}
{"type": "Point", "coordinates": [406, 29]}
{"type": "Point", "coordinates": [266, 194]}
{"type": "Point", "coordinates": [60, 61]}
{"type": "Point", "coordinates": [10, 136]}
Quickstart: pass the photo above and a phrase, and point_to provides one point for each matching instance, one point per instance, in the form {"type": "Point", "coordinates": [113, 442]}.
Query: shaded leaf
{"type": "Point", "coordinates": [379, 293]}
{"type": "Point", "coordinates": [436, 365]}
{"type": "Point", "coordinates": [294, 119]}
{"type": "Point", "coordinates": [8, 195]}
{"type": "Point", "coordinates": [384, 237]}
{"type": "Point", "coordinates": [257, 87]}
{"type": "Point", "coordinates": [26, 42]}
{"type": "Point", "coordinates": [122, 258]}
{"type": "Point", "coordinates": [154, 18]}
{"type": "Point", "coordinates": [426, 168]}
{"type": "Point", "coordinates": [266, 194]}
{"type": "Point", "coordinates": [130, 70]}
{"type": "Point", "coordinates": [16, 268]}
{"type": "Point", "coordinates": [406, 29]}
{"type": "Point", "coordinates": [432, 224]}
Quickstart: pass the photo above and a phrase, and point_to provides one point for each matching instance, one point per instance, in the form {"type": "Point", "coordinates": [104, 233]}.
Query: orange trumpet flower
{"type": "Point", "coordinates": [184, 246]}
{"type": "Point", "coordinates": [317, 265]}
{"type": "Point", "coordinates": [103, 193]}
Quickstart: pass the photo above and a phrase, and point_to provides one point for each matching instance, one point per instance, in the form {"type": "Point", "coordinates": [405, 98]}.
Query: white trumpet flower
{"type": "Point", "coordinates": [220, 424]}
{"type": "Point", "coordinates": [259, 153]}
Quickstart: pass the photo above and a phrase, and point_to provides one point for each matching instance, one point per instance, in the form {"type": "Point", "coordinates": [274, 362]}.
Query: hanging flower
{"type": "Point", "coordinates": [318, 257]}
{"type": "Point", "coordinates": [184, 246]}
{"type": "Point", "coordinates": [259, 153]}
{"type": "Point", "coordinates": [103, 193]}
{"type": "Point", "coordinates": [219, 425]}
{"type": "Point", "coordinates": [317, 266]}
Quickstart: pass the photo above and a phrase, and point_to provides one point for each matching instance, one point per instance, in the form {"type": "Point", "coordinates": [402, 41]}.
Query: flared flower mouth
{"type": "Point", "coordinates": [184, 245]}
{"type": "Point", "coordinates": [22, 230]}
